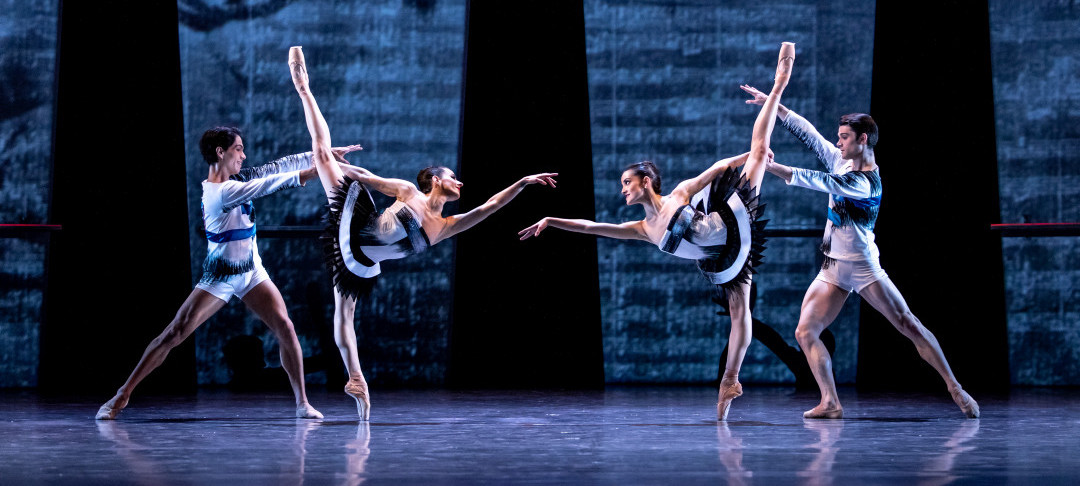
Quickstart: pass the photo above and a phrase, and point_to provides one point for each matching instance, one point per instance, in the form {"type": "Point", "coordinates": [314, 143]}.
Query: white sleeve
{"type": "Point", "coordinates": [826, 152]}
{"type": "Point", "coordinates": [235, 193]}
{"type": "Point", "coordinates": [852, 184]}
{"type": "Point", "coordinates": [285, 164]}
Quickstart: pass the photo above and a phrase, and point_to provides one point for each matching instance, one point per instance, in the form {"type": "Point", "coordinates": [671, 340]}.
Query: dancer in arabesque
{"type": "Point", "coordinates": [714, 218]}
{"type": "Point", "coordinates": [358, 237]}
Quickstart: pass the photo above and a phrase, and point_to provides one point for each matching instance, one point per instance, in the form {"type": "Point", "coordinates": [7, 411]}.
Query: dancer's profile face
{"type": "Point", "coordinates": [450, 185]}
{"type": "Point", "coordinates": [848, 142]}
{"type": "Point", "coordinates": [233, 157]}
{"type": "Point", "coordinates": [633, 187]}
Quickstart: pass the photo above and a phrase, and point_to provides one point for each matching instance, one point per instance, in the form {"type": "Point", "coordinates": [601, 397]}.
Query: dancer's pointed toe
{"type": "Point", "coordinates": [967, 404]}
{"type": "Point", "coordinates": [727, 394]}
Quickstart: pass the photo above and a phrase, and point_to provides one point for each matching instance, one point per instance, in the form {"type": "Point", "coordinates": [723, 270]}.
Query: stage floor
{"type": "Point", "coordinates": [622, 435]}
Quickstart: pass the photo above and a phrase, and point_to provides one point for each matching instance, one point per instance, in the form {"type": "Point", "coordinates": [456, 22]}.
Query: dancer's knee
{"type": "Point", "coordinates": [807, 335]}
{"type": "Point", "coordinates": [172, 336]}
{"type": "Point", "coordinates": [321, 153]}
{"type": "Point", "coordinates": [911, 327]}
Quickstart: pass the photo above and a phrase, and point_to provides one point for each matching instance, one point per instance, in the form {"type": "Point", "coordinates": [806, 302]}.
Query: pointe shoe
{"type": "Point", "coordinates": [298, 68]}
{"type": "Point", "coordinates": [784, 64]}
{"type": "Point", "coordinates": [306, 411]}
{"type": "Point", "coordinates": [110, 409]}
{"type": "Point", "coordinates": [727, 394]}
{"type": "Point", "coordinates": [820, 412]}
{"type": "Point", "coordinates": [967, 404]}
{"type": "Point", "coordinates": [359, 391]}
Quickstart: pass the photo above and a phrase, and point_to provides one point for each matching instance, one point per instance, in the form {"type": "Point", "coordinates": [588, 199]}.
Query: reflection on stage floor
{"type": "Point", "coordinates": [621, 435]}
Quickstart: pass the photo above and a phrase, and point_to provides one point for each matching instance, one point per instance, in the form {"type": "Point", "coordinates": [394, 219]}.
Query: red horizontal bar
{"type": "Point", "coordinates": [1031, 225]}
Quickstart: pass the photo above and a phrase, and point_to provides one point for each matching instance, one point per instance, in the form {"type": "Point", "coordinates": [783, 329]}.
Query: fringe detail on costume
{"type": "Point", "coordinates": [346, 282]}
{"type": "Point", "coordinates": [826, 247]}
{"type": "Point", "coordinates": [732, 182]}
{"type": "Point", "coordinates": [218, 270]}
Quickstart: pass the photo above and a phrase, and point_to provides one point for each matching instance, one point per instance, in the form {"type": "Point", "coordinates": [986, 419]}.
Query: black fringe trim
{"type": "Point", "coordinates": [732, 182]}
{"type": "Point", "coordinates": [219, 270]}
{"type": "Point", "coordinates": [347, 283]}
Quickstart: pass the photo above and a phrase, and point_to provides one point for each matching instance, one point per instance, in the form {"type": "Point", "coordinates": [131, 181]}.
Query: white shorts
{"type": "Point", "coordinates": [852, 276]}
{"type": "Point", "coordinates": [238, 285]}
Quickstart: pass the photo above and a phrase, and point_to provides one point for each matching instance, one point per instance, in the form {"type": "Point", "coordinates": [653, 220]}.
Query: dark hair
{"type": "Point", "coordinates": [423, 179]}
{"type": "Point", "coordinates": [861, 123]}
{"type": "Point", "coordinates": [646, 168]}
{"type": "Point", "coordinates": [217, 137]}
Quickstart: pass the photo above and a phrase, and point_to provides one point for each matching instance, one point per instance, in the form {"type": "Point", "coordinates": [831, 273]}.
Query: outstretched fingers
{"type": "Point", "coordinates": [758, 98]}
{"type": "Point", "coordinates": [533, 230]}
{"type": "Point", "coordinates": [547, 179]}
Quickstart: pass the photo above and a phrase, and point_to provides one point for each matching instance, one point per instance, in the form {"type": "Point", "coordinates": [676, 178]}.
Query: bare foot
{"type": "Point", "coordinates": [111, 408]}
{"type": "Point", "coordinates": [967, 404]}
{"type": "Point", "coordinates": [306, 411]}
{"type": "Point", "coordinates": [825, 411]}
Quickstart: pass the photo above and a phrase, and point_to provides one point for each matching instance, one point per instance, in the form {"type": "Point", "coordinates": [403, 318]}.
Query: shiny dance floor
{"type": "Point", "coordinates": [631, 435]}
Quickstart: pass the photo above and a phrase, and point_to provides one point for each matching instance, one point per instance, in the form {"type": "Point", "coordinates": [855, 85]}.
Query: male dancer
{"type": "Point", "coordinates": [851, 257]}
{"type": "Point", "coordinates": [233, 265]}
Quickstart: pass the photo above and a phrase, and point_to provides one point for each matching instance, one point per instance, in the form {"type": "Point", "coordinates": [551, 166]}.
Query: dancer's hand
{"type": "Point", "coordinates": [758, 97]}
{"type": "Point", "coordinates": [547, 179]}
{"type": "Point", "coordinates": [339, 152]}
{"type": "Point", "coordinates": [533, 230]}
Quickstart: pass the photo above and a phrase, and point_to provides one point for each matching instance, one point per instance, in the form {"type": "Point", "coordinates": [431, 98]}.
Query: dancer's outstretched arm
{"type": "Point", "coordinates": [855, 185]}
{"type": "Point", "coordinates": [692, 186]}
{"type": "Point", "coordinates": [397, 188]}
{"type": "Point", "coordinates": [632, 230]}
{"type": "Point", "coordinates": [460, 222]}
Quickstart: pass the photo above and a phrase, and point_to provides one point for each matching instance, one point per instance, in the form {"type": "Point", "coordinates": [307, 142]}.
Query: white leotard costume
{"type": "Point", "coordinates": [229, 215]}
{"type": "Point", "coordinates": [855, 196]}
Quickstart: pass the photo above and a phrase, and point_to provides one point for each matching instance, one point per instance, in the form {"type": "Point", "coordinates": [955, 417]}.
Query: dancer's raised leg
{"type": "Point", "coordinates": [754, 170]}
{"type": "Point", "coordinates": [331, 176]}
{"type": "Point", "coordinates": [766, 119]}
{"type": "Point", "coordinates": [329, 173]}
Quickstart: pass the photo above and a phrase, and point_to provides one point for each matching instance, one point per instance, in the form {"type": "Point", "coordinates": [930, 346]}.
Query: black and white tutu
{"type": "Point", "coordinates": [721, 229]}
{"type": "Point", "coordinates": [357, 237]}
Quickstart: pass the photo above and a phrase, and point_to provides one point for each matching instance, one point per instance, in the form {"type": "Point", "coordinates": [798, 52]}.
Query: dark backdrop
{"type": "Point", "coordinates": [120, 268]}
{"type": "Point", "coordinates": [933, 98]}
{"type": "Point", "coordinates": [119, 191]}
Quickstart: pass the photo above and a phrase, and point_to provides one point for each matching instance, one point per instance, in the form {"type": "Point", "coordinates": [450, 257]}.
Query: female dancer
{"type": "Point", "coordinates": [233, 265]}
{"type": "Point", "coordinates": [714, 218]}
{"type": "Point", "coordinates": [358, 237]}
{"type": "Point", "coordinates": [851, 256]}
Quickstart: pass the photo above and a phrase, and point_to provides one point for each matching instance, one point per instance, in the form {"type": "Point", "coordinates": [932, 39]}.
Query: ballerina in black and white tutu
{"type": "Point", "coordinates": [358, 237]}
{"type": "Point", "coordinates": [714, 218]}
